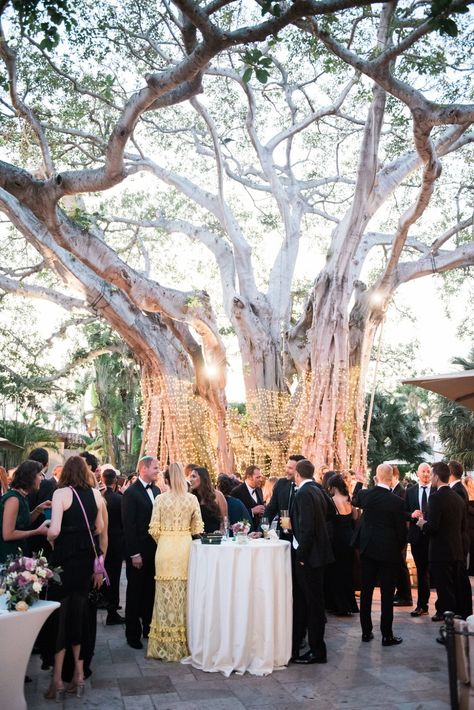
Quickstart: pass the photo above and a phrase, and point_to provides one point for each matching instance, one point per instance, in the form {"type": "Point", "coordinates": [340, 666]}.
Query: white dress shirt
{"type": "Point", "coordinates": [295, 542]}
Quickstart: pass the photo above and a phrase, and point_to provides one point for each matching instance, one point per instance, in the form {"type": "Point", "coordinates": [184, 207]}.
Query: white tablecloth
{"type": "Point", "coordinates": [18, 631]}
{"type": "Point", "coordinates": [240, 607]}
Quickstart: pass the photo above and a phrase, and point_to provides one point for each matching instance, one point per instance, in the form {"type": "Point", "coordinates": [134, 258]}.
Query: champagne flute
{"type": "Point", "coordinates": [285, 520]}
{"type": "Point", "coordinates": [265, 525]}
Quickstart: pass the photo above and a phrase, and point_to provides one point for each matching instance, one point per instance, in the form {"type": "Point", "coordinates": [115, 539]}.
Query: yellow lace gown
{"type": "Point", "coordinates": [175, 518]}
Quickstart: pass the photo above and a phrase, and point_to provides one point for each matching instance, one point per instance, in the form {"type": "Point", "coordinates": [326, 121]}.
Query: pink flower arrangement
{"type": "Point", "coordinates": [242, 527]}
{"type": "Point", "coordinates": [22, 580]}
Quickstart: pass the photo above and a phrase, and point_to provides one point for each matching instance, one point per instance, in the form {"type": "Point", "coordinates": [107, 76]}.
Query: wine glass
{"type": "Point", "coordinates": [265, 526]}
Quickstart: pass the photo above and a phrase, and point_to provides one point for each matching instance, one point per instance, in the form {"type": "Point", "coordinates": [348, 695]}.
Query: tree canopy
{"type": "Point", "coordinates": [309, 135]}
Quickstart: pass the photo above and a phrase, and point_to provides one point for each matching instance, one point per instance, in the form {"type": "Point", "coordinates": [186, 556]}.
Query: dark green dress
{"type": "Point", "coordinates": [22, 523]}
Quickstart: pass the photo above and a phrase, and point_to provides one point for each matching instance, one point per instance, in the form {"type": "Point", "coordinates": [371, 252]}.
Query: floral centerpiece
{"type": "Point", "coordinates": [241, 528]}
{"type": "Point", "coordinates": [22, 580]}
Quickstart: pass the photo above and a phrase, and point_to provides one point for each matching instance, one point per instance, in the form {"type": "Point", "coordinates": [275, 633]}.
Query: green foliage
{"type": "Point", "coordinates": [45, 17]}
{"type": "Point", "coordinates": [445, 25]}
{"type": "Point", "coordinates": [456, 423]}
{"type": "Point", "coordinates": [256, 61]}
{"type": "Point", "coordinates": [395, 433]}
{"type": "Point", "coordinates": [116, 399]}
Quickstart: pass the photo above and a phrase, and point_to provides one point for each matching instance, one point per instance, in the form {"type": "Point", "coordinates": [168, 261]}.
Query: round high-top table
{"type": "Point", "coordinates": [239, 607]}
{"type": "Point", "coordinates": [18, 631]}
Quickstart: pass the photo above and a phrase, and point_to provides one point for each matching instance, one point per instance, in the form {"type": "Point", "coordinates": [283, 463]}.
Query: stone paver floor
{"type": "Point", "coordinates": [412, 676]}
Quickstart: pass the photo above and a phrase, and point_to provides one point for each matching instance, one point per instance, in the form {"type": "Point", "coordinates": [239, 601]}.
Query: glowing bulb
{"type": "Point", "coordinates": [211, 371]}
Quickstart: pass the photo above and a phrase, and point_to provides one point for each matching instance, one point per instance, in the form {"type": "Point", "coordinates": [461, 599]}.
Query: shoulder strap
{"type": "Point", "coordinates": [75, 493]}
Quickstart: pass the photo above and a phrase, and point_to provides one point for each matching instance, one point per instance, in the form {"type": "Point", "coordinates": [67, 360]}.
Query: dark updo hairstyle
{"type": "Point", "coordinates": [337, 481]}
{"type": "Point", "coordinates": [326, 477]}
{"type": "Point", "coordinates": [25, 475]}
{"type": "Point", "coordinates": [225, 484]}
{"type": "Point", "coordinates": [91, 460]}
{"type": "Point", "coordinates": [205, 493]}
{"type": "Point", "coordinates": [75, 473]}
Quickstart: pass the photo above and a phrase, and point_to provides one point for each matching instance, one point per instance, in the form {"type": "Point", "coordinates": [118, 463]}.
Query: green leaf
{"type": "Point", "coordinates": [262, 75]}
{"type": "Point", "coordinates": [448, 27]}
{"type": "Point", "coordinates": [247, 75]}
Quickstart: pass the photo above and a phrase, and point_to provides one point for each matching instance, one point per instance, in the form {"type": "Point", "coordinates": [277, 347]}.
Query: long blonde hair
{"type": "Point", "coordinates": [177, 481]}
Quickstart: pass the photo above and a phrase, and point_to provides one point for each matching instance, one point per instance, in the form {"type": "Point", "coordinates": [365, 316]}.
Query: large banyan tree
{"type": "Point", "coordinates": [238, 128]}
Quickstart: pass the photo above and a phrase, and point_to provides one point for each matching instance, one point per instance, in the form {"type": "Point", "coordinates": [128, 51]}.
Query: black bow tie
{"type": "Point", "coordinates": [150, 485]}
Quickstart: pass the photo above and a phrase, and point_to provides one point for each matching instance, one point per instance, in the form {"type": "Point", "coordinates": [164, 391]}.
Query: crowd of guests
{"type": "Point", "coordinates": [346, 538]}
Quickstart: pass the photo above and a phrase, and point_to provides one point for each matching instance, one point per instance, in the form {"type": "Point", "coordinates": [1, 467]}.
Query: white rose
{"type": "Point", "coordinates": [41, 572]}
{"type": "Point", "coordinates": [37, 587]}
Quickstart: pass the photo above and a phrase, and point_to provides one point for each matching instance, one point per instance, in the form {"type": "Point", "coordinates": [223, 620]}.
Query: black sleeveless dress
{"type": "Point", "coordinates": [74, 553]}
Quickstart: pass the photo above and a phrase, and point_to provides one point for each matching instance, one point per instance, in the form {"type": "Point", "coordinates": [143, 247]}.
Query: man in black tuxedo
{"type": "Point", "coordinates": [417, 499]}
{"type": "Point", "coordinates": [312, 551]}
{"type": "Point", "coordinates": [455, 480]}
{"type": "Point", "coordinates": [403, 586]}
{"type": "Point", "coordinates": [115, 548]}
{"type": "Point", "coordinates": [283, 495]}
{"type": "Point", "coordinates": [380, 537]}
{"type": "Point", "coordinates": [446, 529]}
{"type": "Point", "coordinates": [250, 493]}
{"type": "Point", "coordinates": [140, 548]}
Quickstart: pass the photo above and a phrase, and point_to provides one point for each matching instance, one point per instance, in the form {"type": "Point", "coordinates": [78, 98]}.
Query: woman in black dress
{"type": "Point", "coordinates": [202, 488]}
{"type": "Point", "coordinates": [340, 590]}
{"type": "Point", "coordinates": [74, 553]}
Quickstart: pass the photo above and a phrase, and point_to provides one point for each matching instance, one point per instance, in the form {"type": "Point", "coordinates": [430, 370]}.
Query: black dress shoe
{"type": "Point", "coordinates": [419, 611]}
{"type": "Point", "coordinates": [367, 637]}
{"type": "Point", "coordinates": [402, 602]}
{"type": "Point", "coordinates": [113, 619]}
{"type": "Point", "coordinates": [310, 658]}
{"type": "Point", "coordinates": [135, 644]}
{"type": "Point", "coordinates": [391, 640]}
{"type": "Point", "coordinates": [441, 640]}
{"type": "Point", "coordinates": [437, 617]}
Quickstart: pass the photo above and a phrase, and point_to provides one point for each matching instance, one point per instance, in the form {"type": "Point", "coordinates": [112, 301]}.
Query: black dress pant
{"type": "Point", "coordinates": [113, 567]}
{"type": "Point", "coordinates": [453, 587]}
{"type": "Point", "coordinates": [308, 607]}
{"type": "Point", "coordinates": [384, 571]}
{"type": "Point", "coordinates": [419, 551]}
{"type": "Point", "coordinates": [403, 584]}
{"type": "Point", "coordinates": [139, 598]}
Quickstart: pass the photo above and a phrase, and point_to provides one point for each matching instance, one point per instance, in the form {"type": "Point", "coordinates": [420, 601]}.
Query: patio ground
{"type": "Point", "coordinates": [411, 676]}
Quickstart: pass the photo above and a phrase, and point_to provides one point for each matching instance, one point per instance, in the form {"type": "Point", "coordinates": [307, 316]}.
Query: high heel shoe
{"type": "Point", "coordinates": [76, 688]}
{"type": "Point", "coordinates": [54, 693]}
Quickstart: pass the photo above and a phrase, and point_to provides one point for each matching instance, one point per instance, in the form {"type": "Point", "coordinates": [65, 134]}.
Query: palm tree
{"type": "Point", "coordinates": [395, 432]}
{"type": "Point", "coordinates": [456, 423]}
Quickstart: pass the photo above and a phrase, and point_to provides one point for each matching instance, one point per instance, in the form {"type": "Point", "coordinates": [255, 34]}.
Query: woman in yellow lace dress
{"type": "Point", "coordinates": [176, 517]}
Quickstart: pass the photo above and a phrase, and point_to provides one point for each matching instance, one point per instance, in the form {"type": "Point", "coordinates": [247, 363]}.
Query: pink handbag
{"type": "Point", "coordinates": [99, 564]}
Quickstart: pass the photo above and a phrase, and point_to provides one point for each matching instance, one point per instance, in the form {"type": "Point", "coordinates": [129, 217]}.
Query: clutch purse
{"type": "Point", "coordinates": [211, 539]}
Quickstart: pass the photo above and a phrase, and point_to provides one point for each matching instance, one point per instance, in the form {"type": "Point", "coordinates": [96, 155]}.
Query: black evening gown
{"type": "Point", "coordinates": [73, 552]}
{"type": "Point", "coordinates": [341, 595]}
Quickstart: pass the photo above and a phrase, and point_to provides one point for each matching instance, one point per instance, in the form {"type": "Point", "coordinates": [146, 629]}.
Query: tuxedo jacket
{"type": "Point", "coordinates": [382, 530]}
{"type": "Point", "coordinates": [460, 489]}
{"type": "Point", "coordinates": [412, 503]}
{"type": "Point", "coordinates": [242, 493]}
{"type": "Point", "coordinates": [282, 499]}
{"type": "Point", "coordinates": [447, 527]}
{"type": "Point", "coordinates": [308, 521]}
{"type": "Point", "coordinates": [136, 513]}
{"type": "Point", "coordinates": [399, 491]}
{"type": "Point", "coordinates": [114, 511]}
